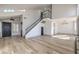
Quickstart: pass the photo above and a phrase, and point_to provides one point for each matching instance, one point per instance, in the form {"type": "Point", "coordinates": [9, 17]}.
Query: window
{"type": "Point", "coordinates": [15, 28]}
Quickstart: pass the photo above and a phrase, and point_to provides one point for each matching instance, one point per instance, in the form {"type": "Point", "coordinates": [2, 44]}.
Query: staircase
{"type": "Point", "coordinates": [44, 14]}
{"type": "Point", "coordinates": [34, 24]}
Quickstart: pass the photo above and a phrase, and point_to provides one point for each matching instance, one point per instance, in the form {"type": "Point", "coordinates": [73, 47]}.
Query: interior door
{"type": "Point", "coordinates": [6, 29]}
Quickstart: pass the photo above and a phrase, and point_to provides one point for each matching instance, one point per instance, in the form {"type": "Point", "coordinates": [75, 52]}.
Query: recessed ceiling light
{"type": "Point", "coordinates": [8, 10]}
{"type": "Point", "coordinates": [4, 10]}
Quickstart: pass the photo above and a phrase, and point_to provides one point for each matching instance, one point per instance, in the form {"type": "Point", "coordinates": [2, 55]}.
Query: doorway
{"type": "Point", "coordinates": [6, 29]}
{"type": "Point", "coordinates": [42, 31]}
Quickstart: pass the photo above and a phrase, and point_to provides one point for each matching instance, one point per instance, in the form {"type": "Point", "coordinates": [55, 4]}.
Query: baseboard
{"type": "Point", "coordinates": [32, 37]}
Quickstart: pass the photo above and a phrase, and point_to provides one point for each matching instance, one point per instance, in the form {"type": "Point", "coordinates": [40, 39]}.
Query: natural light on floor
{"type": "Point", "coordinates": [66, 37]}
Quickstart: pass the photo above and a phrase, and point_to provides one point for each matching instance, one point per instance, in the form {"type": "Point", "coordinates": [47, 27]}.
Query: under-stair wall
{"type": "Point", "coordinates": [36, 31]}
{"type": "Point", "coordinates": [28, 18]}
{"type": "Point", "coordinates": [35, 25]}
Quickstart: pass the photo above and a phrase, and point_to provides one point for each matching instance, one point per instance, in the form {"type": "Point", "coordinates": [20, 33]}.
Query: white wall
{"type": "Point", "coordinates": [16, 30]}
{"type": "Point", "coordinates": [30, 17]}
{"type": "Point", "coordinates": [36, 31]}
{"type": "Point", "coordinates": [60, 11]}
{"type": "Point", "coordinates": [66, 28]}
{"type": "Point", "coordinates": [66, 25]}
{"type": "Point", "coordinates": [63, 10]}
{"type": "Point", "coordinates": [47, 27]}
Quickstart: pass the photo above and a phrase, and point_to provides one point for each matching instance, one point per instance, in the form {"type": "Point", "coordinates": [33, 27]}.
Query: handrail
{"type": "Point", "coordinates": [32, 25]}
{"type": "Point", "coordinates": [35, 23]}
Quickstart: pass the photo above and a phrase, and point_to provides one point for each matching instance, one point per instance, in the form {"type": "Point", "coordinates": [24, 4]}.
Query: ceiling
{"type": "Point", "coordinates": [20, 7]}
{"type": "Point", "coordinates": [25, 6]}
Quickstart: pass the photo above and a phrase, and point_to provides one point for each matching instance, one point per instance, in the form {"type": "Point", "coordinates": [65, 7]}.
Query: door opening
{"type": "Point", "coordinates": [6, 29]}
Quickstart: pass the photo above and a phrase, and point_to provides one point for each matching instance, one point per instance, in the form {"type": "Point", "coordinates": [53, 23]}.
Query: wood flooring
{"type": "Point", "coordinates": [37, 45]}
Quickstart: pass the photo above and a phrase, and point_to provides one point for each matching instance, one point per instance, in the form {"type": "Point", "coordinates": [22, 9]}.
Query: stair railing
{"type": "Point", "coordinates": [32, 25]}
